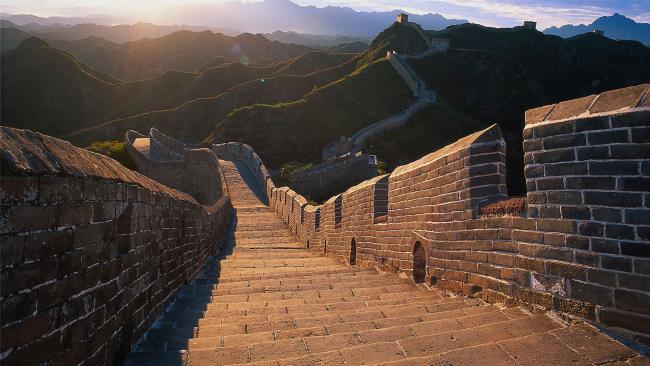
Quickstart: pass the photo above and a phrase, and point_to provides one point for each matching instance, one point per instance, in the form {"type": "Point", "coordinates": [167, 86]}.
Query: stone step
{"type": "Point", "coordinates": [418, 305]}
{"type": "Point", "coordinates": [331, 270]}
{"type": "Point", "coordinates": [236, 264]}
{"type": "Point", "coordinates": [389, 307]}
{"type": "Point", "coordinates": [279, 246]}
{"type": "Point", "coordinates": [252, 210]}
{"type": "Point", "coordinates": [262, 234]}
{"type": "Point", "coordinates": [223, 303]}
{"type": "Point", "coordinates": [288, 284]}
{"type": "Point", "coordinates": [257, 227]}
{"type": "Point", "coordinates": [354, 345]}
{"type": "Point", "coordinates": [267, 301]}
{"type": "Point", "coordinates": [333, 324]}
{"type": "Point", "coordinates": [274, 294]}
{"type": "Point", "coordinates": [297, 253]}
{"type": "Point", "coordinates": [264, 240]}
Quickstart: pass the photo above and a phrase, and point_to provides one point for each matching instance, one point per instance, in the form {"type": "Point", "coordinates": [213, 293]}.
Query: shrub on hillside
{"type": "Point", "coordinates": [114, 150]}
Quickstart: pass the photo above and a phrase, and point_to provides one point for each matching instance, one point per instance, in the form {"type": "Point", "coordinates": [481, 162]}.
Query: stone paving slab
{"type": "Point", "coordinates": [268, 301]}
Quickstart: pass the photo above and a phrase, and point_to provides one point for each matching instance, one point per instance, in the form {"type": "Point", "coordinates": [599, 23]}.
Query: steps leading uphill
{"type": "Point", "coordinates": [265, 300]}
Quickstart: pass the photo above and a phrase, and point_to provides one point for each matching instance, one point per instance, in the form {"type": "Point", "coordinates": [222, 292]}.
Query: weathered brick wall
{"type": "Point", "coordinates": [91, 252]}
{"type": "Point", "coordinates": [581, 247]}
{"type": "Point", "coordinates": [165, 147]}
{"type": "Point", "coordinates": [193, 171]}
{"type": "Point", "coordinates": [410, 78]}
{"type": "Point", "coordinates": [588, 178]}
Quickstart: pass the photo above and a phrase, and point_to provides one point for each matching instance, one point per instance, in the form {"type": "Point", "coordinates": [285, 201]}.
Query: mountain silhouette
{"type": "Point", "coordinates": [271, 15]}
{"type": "Point", "coordinates": [230, 17]}
{"type": "Point", "coordinates": [616, 26]}
{"type": "Point", "coordinates": [182, 51]}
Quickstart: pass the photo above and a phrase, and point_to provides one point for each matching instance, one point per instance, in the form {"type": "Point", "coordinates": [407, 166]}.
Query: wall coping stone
{"type": "Point", "coordinates": [619, 100]}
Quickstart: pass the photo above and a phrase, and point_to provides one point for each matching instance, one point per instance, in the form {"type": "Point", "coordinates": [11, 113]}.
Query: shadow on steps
{"type": "Point", "coordinates": [166, 343]}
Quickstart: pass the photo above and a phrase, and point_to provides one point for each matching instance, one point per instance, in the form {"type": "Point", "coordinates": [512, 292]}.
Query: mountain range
{"type": "Point", "coordinates": [280, 20]}
{"type": "Point", "coordinates": [265, 16]}
{"type": "Point", "coordinates": [616, 26]}
{"type": "Point", "coordinates": [115, 33]}
{"type": "Point", "coordinates": [288, 101]}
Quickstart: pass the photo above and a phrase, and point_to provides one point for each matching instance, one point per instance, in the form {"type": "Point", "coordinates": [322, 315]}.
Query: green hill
{"type": "Point", "coordinates": [49, 90]}
{"type": "Point", "coordinates": [11, 37]}
{"type": "Point", "coordinates": [184, 51]}
{"type": "Point", "coordinates": [314, 61]}
{"type": "Point", "coordinates": [300, 129]}
{"type": "Point", "coordinates": [196, 118]}
{"type": "Point", "coordinates": [565, 68]}
{"type": "Point", "coordinates": [352, 47]}
{"type": "Point", "coordinates": [81, 46]}
{"type": "Point", "coordinates": [398, 37]}
{"type": "Point", "coordinates": [289, 101]}
{"type": "Point", "coordinates": [427, 131]}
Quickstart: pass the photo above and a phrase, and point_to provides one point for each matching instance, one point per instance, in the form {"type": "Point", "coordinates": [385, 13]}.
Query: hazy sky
{"type": "Point", "coordinates": [488, 12]}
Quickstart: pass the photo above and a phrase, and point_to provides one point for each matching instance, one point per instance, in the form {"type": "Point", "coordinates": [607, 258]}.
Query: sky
{"type": "Point", "coordinates": [487, 12]}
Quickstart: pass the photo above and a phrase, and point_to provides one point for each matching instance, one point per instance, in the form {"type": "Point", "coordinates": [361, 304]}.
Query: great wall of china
{"type": "Point", "coordinates": [101, 263]}
{"type": "Point", "coordinates": [422, 94]}
{"type": "Point", "coordinates": [343, 163]}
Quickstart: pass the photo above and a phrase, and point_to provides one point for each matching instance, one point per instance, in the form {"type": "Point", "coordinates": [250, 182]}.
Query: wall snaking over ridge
{"type": "Point", "coordinates": [91, 252]}
{"type": "Point", "coordinates": [423, 98]}
{"type": "Point", "coordinates": [582, 246]}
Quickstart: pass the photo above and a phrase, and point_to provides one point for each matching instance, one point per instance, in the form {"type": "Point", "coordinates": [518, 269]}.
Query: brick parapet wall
{"type": "Point", "coordinates": [558, 254]}
{"type": "Point", "coordinates": [193, 171]}
{"type": "Point", "coordinates": [589, 170]}
{"type": "Point", "coordinates": [91, 252]}
{"type": "Point", "coordinates": [167, 148]}
{"type": "Point", "coordinates": [410, 78]}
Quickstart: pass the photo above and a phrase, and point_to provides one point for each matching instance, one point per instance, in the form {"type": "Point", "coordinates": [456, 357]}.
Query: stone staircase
{"type": "Point", "coordinates": [265, 300]}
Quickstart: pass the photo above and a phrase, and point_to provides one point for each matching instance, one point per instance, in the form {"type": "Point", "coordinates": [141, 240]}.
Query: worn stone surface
{"type": "Point", "coordinates": [279, 304]}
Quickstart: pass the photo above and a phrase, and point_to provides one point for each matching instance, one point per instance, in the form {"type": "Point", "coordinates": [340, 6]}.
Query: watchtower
{"type": "Point", "coordinates": [403, 18]}
{"type": "Point", "coordinates": [528, 24]}
{"type": "Point", "coordinates": [599, 32]}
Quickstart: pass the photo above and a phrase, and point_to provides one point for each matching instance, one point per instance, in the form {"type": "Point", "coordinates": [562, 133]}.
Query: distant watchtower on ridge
{"type": "Point", "coordinates": [435, 45]}
{"type": "Point", "coordinates": [528, 24]}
